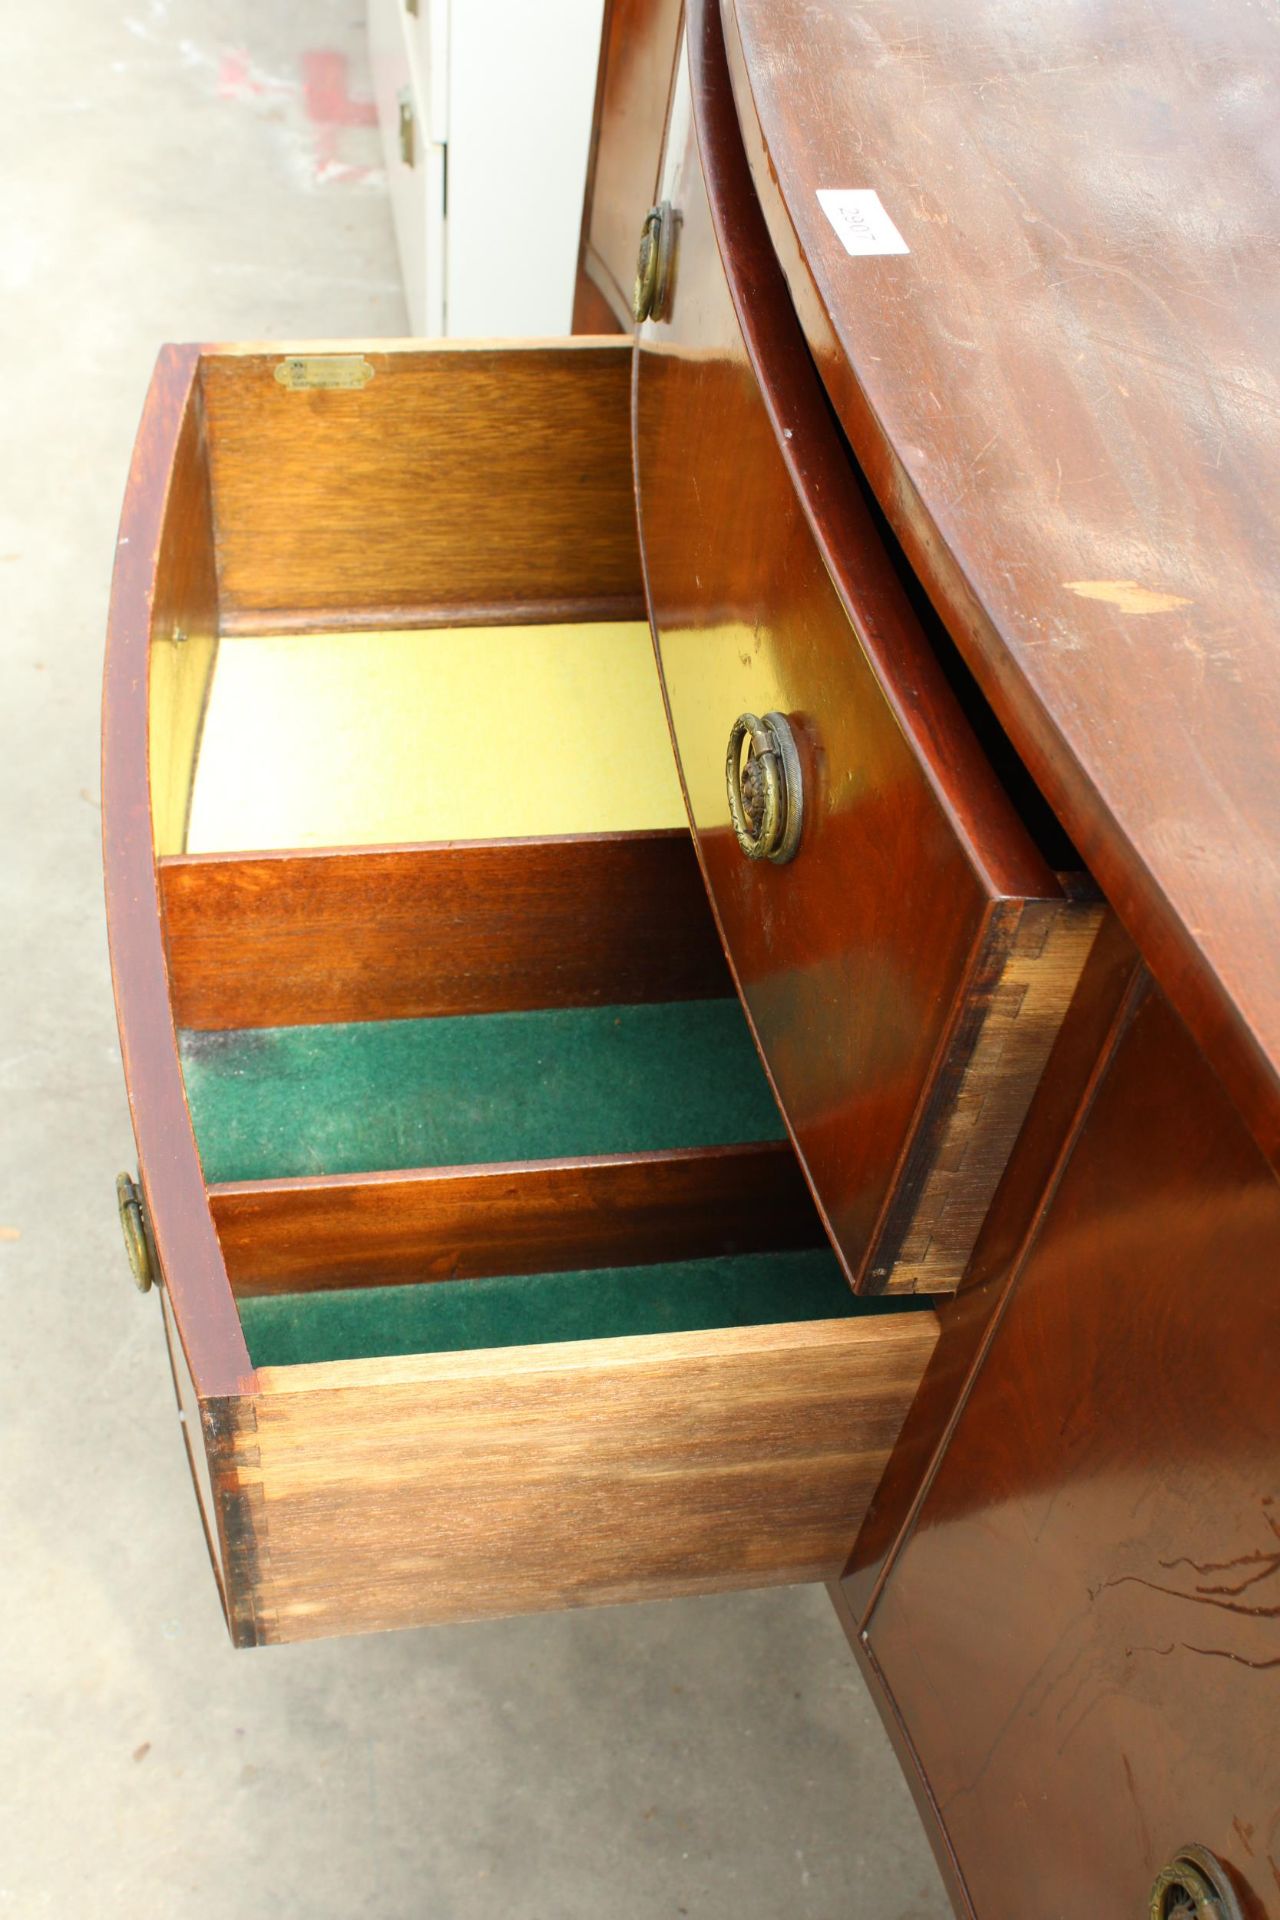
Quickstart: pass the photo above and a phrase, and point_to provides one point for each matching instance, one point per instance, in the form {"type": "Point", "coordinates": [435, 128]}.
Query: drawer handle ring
{"type": "Point", "coordinates": [1193, 1887]}
{"type": "Point", "coordinates": [649, 297]}
{"type": "Point", "coordinates": [133, 1226]}
{"type": "Point", "coordinates": [765, 798]}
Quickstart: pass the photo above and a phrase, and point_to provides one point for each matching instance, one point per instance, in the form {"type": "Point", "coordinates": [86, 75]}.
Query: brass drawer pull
{"type": "Point", "coordinates": [1193, 1887]}
{"type": "Point", "coordinates": [133, 1227]}
{"type": "Point", "coordinates": [406, 126]}
{"type": "Point", "coordinates": [766, 802]}
{"type": "Point", "coordinates": [650, 297]}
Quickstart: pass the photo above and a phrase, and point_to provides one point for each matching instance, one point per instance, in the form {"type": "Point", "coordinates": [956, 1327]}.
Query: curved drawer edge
{"type": "Point", "coordinates": [823, 472]}
{"type": "Point", "coordinates": [156, 577]}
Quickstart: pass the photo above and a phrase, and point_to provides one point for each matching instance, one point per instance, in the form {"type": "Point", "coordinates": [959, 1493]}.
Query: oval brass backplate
{"type": "Point", "coordinates": [1193, 1886]}
{"type": "Point", "coordinates": [133, 1227]}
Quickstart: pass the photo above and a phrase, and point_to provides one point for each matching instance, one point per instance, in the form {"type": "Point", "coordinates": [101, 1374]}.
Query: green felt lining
{"type": "Point", "coordinates": [450, 1316]}
{"type": "Point", "coordinates": [374, 1095]}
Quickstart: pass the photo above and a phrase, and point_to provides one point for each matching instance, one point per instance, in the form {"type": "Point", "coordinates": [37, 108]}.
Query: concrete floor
{"type": "Point", "coordinates": [164, 179]}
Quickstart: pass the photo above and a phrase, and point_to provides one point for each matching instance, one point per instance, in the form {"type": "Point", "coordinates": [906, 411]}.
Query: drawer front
{"type": "Point", "coordinates": [489, 1278]}
{"type": "Point", "coordinates": [907, 970]}
{"type": "Point", "coordinates": [384, 1494]}
{"type": "Point", "coordinates": [637, 56]}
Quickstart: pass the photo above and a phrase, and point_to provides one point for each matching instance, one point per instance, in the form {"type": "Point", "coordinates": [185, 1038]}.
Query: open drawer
{"type": "Point", "coordinates": [489, 1277]}
{"type": "Point", "coordinates": [905, 945]}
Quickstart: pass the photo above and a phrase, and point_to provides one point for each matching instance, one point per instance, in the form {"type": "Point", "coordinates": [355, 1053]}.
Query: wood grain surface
{"type": "Point", "coordinates": [163, 577]}
{"type": "Point", "coordinates": [193, 1442]}
{"type": "Point", "coordinates": [871, 965]}
{"type": "Point", "coordinates": [637, 57]}
{"type": "Point", "coordinates": [980, 1095]}
{"type": "Point", "coordinates": [1081, 1632]}
{"type": "Point", "coordinates": [391, 933]}
{"type": "Point", "coordinates": [183, 640]}
{"type": "Point", "coordinates": [593, 311]}
{"type": "Point", "coordinates": [461, 1223]}
{"type": "Point", "coordinates": [494, 476]}
{"type": "Point", "coordinates": [1066, 398]}
{"type": "Point", "coordinates": [539, 436]}
{"type": "Point", "coordinates": [370, 1494]}
{"type": "Point", "coordinates": [966, 1320]}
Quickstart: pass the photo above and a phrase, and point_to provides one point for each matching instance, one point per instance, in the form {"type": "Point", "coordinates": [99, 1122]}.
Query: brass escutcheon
{"type": "Point", "coordinates": [765, 798]}
{"type": "Point", "coordinates": [1193, 1887]}
{"type": "Point", "coordinates": [312, 372]}
{"type": "Point", "coordinates": [133, 1227]}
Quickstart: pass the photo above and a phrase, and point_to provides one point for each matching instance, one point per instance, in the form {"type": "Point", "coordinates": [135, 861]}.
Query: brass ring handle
{"type": "Point", "coordinates": [653, 263]}
{"type": "Point", "coordinates": [406, 127]}
{"type": "Point", "coordinates": [1193, 1886]}
{"type": "Point", "coordinates": [133, 1226]}
{"type": "Point", "coordinates": [766, 802]}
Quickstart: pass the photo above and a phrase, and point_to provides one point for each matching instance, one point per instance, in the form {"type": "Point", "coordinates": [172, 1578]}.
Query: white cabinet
{"type": "Point", "coordinates": [485, 108]}
{"type": "Point", "coordinates": [414, 157]}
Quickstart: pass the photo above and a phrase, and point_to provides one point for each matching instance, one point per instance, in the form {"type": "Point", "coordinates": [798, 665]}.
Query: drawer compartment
{"type": "Point", "coordinates": [490, 1280]}
{"type": "Point", "coordinates": [907, 969]}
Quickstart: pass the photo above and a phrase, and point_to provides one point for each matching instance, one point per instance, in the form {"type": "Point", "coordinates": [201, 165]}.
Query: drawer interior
{"type": "Point", "coordinates": [354, 737]}
{"type": "Point", "coordinates": [525, 1310]}
{"type": "Point", "coordinates": [529, 994]}
{"type": "Point", "coordinates": [635, 1082]}
{"type": "Point", "coordinates": [544, 1084]}
{"type": "Point", "coordinates": [361, 1171]}
{"type": "Point", "coordinates": [462, 1058]}
{"type": "Point", "coordinates": [491, 1279]}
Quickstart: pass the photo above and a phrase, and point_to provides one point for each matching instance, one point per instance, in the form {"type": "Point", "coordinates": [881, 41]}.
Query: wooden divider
{"type": "Point", "coordinates": [384, 933]}
{"type": "Point", "coordinates": [463, 1223]}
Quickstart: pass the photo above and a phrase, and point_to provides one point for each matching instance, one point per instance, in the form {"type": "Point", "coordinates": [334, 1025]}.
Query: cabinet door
{"type": "Point", "coordinates": [1082, 1634]}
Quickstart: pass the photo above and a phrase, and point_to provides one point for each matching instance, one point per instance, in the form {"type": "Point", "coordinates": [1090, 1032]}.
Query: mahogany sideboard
{"type": "Point", "coordinates": [843, 1147]}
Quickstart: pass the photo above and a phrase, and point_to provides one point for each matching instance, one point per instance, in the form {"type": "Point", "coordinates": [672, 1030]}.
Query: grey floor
{"type": "Point", "coordinates": [163, 177]}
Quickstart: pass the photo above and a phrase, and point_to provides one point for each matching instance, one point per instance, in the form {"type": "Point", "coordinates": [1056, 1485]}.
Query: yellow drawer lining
{"type": "Point", "coordinates": [354, 739]}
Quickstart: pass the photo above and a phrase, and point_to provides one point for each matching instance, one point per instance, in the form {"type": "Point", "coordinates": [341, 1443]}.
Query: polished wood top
{"type": "Point", "coordinates": [1065, 396]}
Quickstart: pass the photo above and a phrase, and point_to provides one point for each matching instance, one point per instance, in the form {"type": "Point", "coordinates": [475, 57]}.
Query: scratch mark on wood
{"type": "Point", "coordinates": [1129, 595]}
